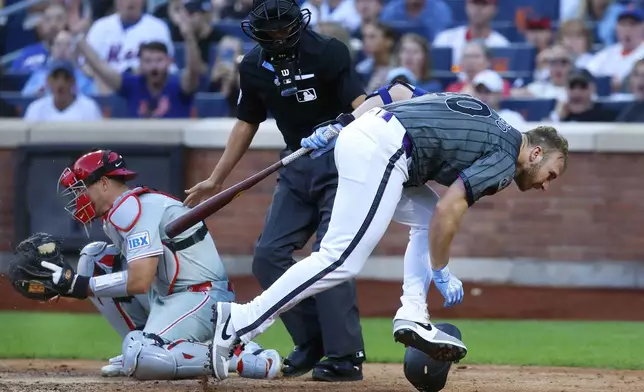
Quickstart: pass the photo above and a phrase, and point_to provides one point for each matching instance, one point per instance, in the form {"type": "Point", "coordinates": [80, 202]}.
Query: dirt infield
{"type": "Point", "coordinates": [81, 376]}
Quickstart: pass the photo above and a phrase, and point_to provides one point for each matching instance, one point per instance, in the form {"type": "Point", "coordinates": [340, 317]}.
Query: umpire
{"type": "Point", "coordinates": [302, 78]}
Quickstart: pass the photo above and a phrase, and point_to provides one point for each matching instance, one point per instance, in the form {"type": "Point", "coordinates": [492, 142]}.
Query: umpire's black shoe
{"type": "Point", "coordinates": [338, 370]}
{"type": "Point", "coordinates": [302, 359]}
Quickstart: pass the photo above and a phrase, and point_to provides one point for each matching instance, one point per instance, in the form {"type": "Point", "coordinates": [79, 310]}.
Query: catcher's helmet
{"type": "Point", "coordinates": [88, 169]}
{"type": "Point", "coordinates": [424, 373]}
{"type": "Point", "coordinates": [276, 25]}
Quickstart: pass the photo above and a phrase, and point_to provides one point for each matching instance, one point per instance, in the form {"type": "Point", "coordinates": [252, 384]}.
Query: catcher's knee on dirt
{"type": "Point", "coordinates": [149, 357]}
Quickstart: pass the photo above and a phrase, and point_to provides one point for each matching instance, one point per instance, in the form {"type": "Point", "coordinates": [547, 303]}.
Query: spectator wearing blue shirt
{"type": "Point", "coordinates": [154, 92]}
{"type": "Point", "coordinates": [34, 56]}
{"type": "Point", "coordinates": [61, 50]}
{"type": "Point", "coordinates": [433, 15]}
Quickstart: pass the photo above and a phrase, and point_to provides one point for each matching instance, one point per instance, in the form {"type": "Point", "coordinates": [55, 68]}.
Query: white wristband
{"type": "Point", "coordinates": [110, 285]}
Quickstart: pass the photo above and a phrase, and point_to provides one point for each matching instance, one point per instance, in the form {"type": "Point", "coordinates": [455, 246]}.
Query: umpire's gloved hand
{"type": "Point", "coordinates": [449, 285]}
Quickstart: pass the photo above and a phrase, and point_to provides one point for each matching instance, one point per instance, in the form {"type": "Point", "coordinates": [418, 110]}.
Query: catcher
{"type": "Point", "coordinates": [156, 293]}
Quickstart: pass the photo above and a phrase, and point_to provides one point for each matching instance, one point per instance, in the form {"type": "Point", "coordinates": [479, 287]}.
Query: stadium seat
{"type": "Point", "coordinates": [17, 100]}
{"type": "Point", "coordinates": [211, 105]}
{"type": "Point", "coordinates": [515, 58]}
{"type": "Point", "coordinates": [441, 59]}
{"type": "Point", "coordinates": [602, 84]}
{"type": "Point", "coordinates": [531, 109]}
{"type": "Point", "coordinates": [113, 106]}
{"type": "Point", "coordinates": [615, 106]}
{"type": "Point", "coordinates": [13, 82]}
{"type": "Point", "coordinates": [509, 30]}
{"type": "Point", "coordinates": [458, 11]}
{"type": "Point", "coordinates": [507, 9]}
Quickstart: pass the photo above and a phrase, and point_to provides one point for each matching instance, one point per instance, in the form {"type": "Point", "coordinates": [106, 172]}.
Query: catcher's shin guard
{"type": "Point", "coordinates": [148, 357]}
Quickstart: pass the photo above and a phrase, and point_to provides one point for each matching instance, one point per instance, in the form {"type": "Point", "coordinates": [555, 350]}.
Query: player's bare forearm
{"type": "Point", "coordinates": [141, 273]}
{"type": "Point", "coordinates": [238, 142]}
{"type": "Point", "coordinates": [445, 223]}
{"type": "Point", "coordinates": [110, 76]}
{"type": "Point", "coordinates": [358, 101]}
{"type": "Point", "coordinates": [190, 75]}
{"type": "Point", "coordinates": [397, 92]}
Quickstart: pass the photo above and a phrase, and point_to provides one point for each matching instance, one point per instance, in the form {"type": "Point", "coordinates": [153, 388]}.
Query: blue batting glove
{"type": "Point", "coordinates": [449, 285]}
{"type": "Point", "coordinates": [318, 141]}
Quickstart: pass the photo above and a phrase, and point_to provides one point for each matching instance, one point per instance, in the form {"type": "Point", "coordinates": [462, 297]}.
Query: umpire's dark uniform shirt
{"type": "Point", "coordinates": [326, 87]}
{"type": "Point", "coordinates": [302, 202]}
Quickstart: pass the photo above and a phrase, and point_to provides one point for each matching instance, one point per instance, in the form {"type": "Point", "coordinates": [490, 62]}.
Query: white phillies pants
{"type": "Point", "coordinates": [372, 168]}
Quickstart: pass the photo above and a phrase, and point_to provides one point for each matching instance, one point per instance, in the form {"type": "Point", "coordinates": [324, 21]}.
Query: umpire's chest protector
{"type": "Point", "coordinates": [318, 86]}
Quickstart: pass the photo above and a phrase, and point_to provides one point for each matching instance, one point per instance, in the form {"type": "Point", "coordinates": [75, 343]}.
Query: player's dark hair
{"type": "Point", "coordinates": [550, 140]}
{"type": "Point", "coordinates": [155, 46]}
{"type": "Point", "coordinates": [118, 179]}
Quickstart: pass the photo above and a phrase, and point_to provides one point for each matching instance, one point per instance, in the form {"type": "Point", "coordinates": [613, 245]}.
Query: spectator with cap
{"type": "Point", "coordinates": [479, 15]}
{"type": "Point", "coordinates": [154, 92]}
{"type": "Point", "coordinates": [559, 64]}
{"type": "Point", "coordinates": [61, 50]}
{"type": "Point", "coordinates": [617, 60]}
{"type": "Point", "coordinates": [433, 15]}
{"type": "Point", "coordinates": [413, 54]}
{"type": "Point", "coordinates": [476, 58]}
{"type": "Point", "coordinates": [577, 37]}
{"type": "Point", "coordinates": [580, 105]}
{"type": "Point", "coordinates": [35, 55]}
{"type": "Point", "coordinates": [634, 111]}
{"type": "Point", "coordinates": [488, 87]}
{"type": "Point", "coordinates": [378, 41]}
{"type": "Point", "coordinates": [369, 12]}
{"type": "Point", "coordinates": [64, 103]}
{"type": "Point", "coordinates": [539, 32]}
{"type": "Point", "coordinates": [198, 12]}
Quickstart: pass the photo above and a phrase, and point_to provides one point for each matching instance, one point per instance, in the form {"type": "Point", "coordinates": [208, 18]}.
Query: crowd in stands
{"type": "Point", "coordinates": [531, 60]}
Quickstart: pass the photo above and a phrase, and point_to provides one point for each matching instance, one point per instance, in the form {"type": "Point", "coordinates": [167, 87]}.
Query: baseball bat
{"type": "Point", "coordinates": [221, 199]}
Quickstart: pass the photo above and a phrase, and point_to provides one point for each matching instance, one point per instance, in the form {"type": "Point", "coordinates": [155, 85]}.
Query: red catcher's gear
{"type": "Point", "coordinates": [87, 170]}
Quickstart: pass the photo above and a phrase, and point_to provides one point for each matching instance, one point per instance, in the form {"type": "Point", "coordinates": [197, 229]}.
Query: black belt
{"type": "Point", "coordinates": [185, 243]}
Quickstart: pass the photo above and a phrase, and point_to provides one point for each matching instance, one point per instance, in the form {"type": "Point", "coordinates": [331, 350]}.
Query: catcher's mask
{"type": "Point", "coordinates": [87, 170]}
{"type": "Point", "coordinates": [276, 25]}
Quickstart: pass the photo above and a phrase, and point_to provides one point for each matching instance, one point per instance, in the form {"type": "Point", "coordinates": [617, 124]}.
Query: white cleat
{"type": "Point", "coordinates": [114, 369]}
{"type": "Point", "coordinates": [224, 341]}
{"type": "Point", "coordinates": [430, 340]}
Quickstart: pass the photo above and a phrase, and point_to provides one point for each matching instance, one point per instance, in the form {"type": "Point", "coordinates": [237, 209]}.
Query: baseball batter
{"type": "Point", "coordinates": [157, 293]}
{"type": "Point", "coordinates": [384, 158]}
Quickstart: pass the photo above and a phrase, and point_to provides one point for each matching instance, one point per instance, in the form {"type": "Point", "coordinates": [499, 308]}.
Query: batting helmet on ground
{"type": "Point", "coordinates": [424, 373]}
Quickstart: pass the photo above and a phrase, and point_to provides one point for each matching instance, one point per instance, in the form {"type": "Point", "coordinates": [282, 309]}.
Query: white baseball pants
{"type": "Point", "coordinates": [372, 167]}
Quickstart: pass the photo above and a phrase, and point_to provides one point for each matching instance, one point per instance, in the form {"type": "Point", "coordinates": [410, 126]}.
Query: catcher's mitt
{"type": "Point", "coordinates": [26, 274]}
